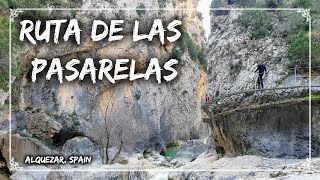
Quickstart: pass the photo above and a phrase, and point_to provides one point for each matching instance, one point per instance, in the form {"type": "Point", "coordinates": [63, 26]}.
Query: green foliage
{"type": "Point", "coordinates": [306, 4]}
{"type": "Point", "coordinates": [4, 40]}
{"type": "Point", "coordinates": [4, 80]}
{"type": "Point", "coordinates": [15, 98]}
{"type": "Point", "coordinates": [4, 107]}
{"type": "Point", "coordinates": [298, 48]}
{"type": "Point", "coordinates": [186, 44]}
{"type": "Point", "coordinates": [235, 69]}
{"type": "Point", "coordinates": [220, 150]}
{"type": "Point", "coordinates": [315, 53]}
{"type": "Point", "coordinates": [258, 23]}
{"type": "Point", "coordinates": [313, 96]}
{"type": "Point", "coordinates": [4, 4]}
{"type": "Point", "coordinates": [216, 3]}
{"type": "Point", "coordinates": [273, 3]}
{"type": "Point", "coordinates": [246, 3]}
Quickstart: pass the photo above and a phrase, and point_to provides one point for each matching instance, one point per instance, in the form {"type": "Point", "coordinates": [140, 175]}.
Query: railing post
{"type": "Point", "coordinates": [295, 74]}
{"type": "Point", "coordinates": [105, 156]}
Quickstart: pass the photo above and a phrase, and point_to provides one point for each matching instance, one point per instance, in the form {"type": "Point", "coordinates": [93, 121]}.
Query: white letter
{"type": "Point", "coordinates": [26, 31]}
{"type": "Point", "coordinates": [57, 28]}
{"type": "Point", "coordinates": [136, 36]}
{"type": "Point", "coordinates": [27, 160]}
{"type": "Point", "coordinates": [94, 35]}
{"type": "Point", "coordinates": [105, 70]}
{"type": "Point", "coordinates": [73, 29]}
{"type": "Point", "coordinates": [132, 75]}
{"type": "Point", "coordinates": [88, 67]}
{"type": "Point", "coordinates": [37, 69]}
{"type": "Point", "coordinates": [157, 28]}
{"type": "Point", "coordinates": [154, 68]}
{"type": "Point", "coordinates": [45, 34]}
{"type": "Point", "coordinates": [118, 69]}
{"type": "Point", "coordinates": [69, 66]}
{"type": "Point", "coordinates": [167, 66]}
{"type": "Point", "coordinates": [171, 28]}
{"type": "Point", "coordinates": [113, 29]}
{"type": "Point", "coordinates": [55, 68]}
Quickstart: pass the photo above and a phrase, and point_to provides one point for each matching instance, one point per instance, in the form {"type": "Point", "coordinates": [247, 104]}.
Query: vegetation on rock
{"type": "Point", "coordinates": [187, 44]}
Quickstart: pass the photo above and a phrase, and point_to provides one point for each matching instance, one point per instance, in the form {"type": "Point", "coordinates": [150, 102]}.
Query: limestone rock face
{"type": "Point", "coordinates": [41, 125]}
{"type": "Point", "coordinates": [272, 130]}
{"type": "Point", "coordinates": [141, 114]}
{"type": "Point", "coordinates": [81, 146]}
{"type": "Point", "coordinates": [233, 50]}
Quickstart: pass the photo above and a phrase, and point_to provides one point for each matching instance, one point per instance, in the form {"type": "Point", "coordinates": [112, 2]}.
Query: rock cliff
{"type": "Point", "coordinates": [131, 116]}
{"type": "Point", "coordinates": [272, 123]}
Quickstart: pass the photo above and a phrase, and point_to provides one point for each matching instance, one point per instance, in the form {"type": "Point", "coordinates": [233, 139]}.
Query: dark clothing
{"type": "Point", "coordinates": [260, 81]}
{"type": "Point", "coordinates": [261, 69]}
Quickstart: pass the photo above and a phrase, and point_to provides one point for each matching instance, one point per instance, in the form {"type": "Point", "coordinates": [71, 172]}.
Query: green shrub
{"type": "Point", "coordinates": [4, 4]}
{"type": "Point", "coordinates": [186, 44]}
{"type": "Point", "coordinates": [220, 150]}
{"type": "Point", "coordinates": [216, 3]}
{"type": "Point", "coordinates": [302, 4]}
{"type": "Point", "coordinates": [315, 56]}
{"type": "Point", "coordinates": [258, 23]}
{"type": "Point", "coordinates": [273, 3]}
{"type": "Point", "coordinates": [298, 48]}
{"type": "Point", "coordinates": [246, 3]}
{"type": "Point", "coordinates": [4, 80]}
{"type": "Point", "coordinates": [4, 107]}
{"type": "Point", "coordinates": [4, 40]}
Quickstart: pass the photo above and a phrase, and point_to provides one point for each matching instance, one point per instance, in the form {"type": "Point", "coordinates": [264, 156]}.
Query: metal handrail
{"type": "Point", "coordinates": [304, 67]}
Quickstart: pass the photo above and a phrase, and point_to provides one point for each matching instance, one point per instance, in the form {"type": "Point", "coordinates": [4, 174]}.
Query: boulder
{"type": "Point", "coordinates": [21, 147]}
{"type": "Point", "coordinates": [73, 175]}
{"type": "Point", "coordinates": [82, 146]}
{"type": "Point", "coordinates": [191, 150]}
{"type": "Point", "coordinates": [31, 175]}
{"type": "Point", "coordinates": [42, 126]}
{"type": "Point", "coordinates": [3, 96]}
{"type": "Point", "coordinates": [21, 118]}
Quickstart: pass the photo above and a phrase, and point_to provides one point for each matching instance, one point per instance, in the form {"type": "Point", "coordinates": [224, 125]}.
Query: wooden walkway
{"type": "Point", "coordinates": [256, 90]}
{"type": "Point", "coordinates": [208, 116]}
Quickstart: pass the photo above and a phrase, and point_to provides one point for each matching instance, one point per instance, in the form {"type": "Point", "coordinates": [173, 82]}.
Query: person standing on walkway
{"type": "Point", "coordinates": [262, 70]}
{"type": "Point", "coordinates": [207, 98]}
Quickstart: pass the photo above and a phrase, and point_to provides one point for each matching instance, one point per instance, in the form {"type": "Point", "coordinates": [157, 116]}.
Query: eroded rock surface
{"type": "Point", "coordinates": [81, 146]}
{"type": "Point", "coordinates": [42, 126]}
{"type": "Point", "coordinates": [273, 130]}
